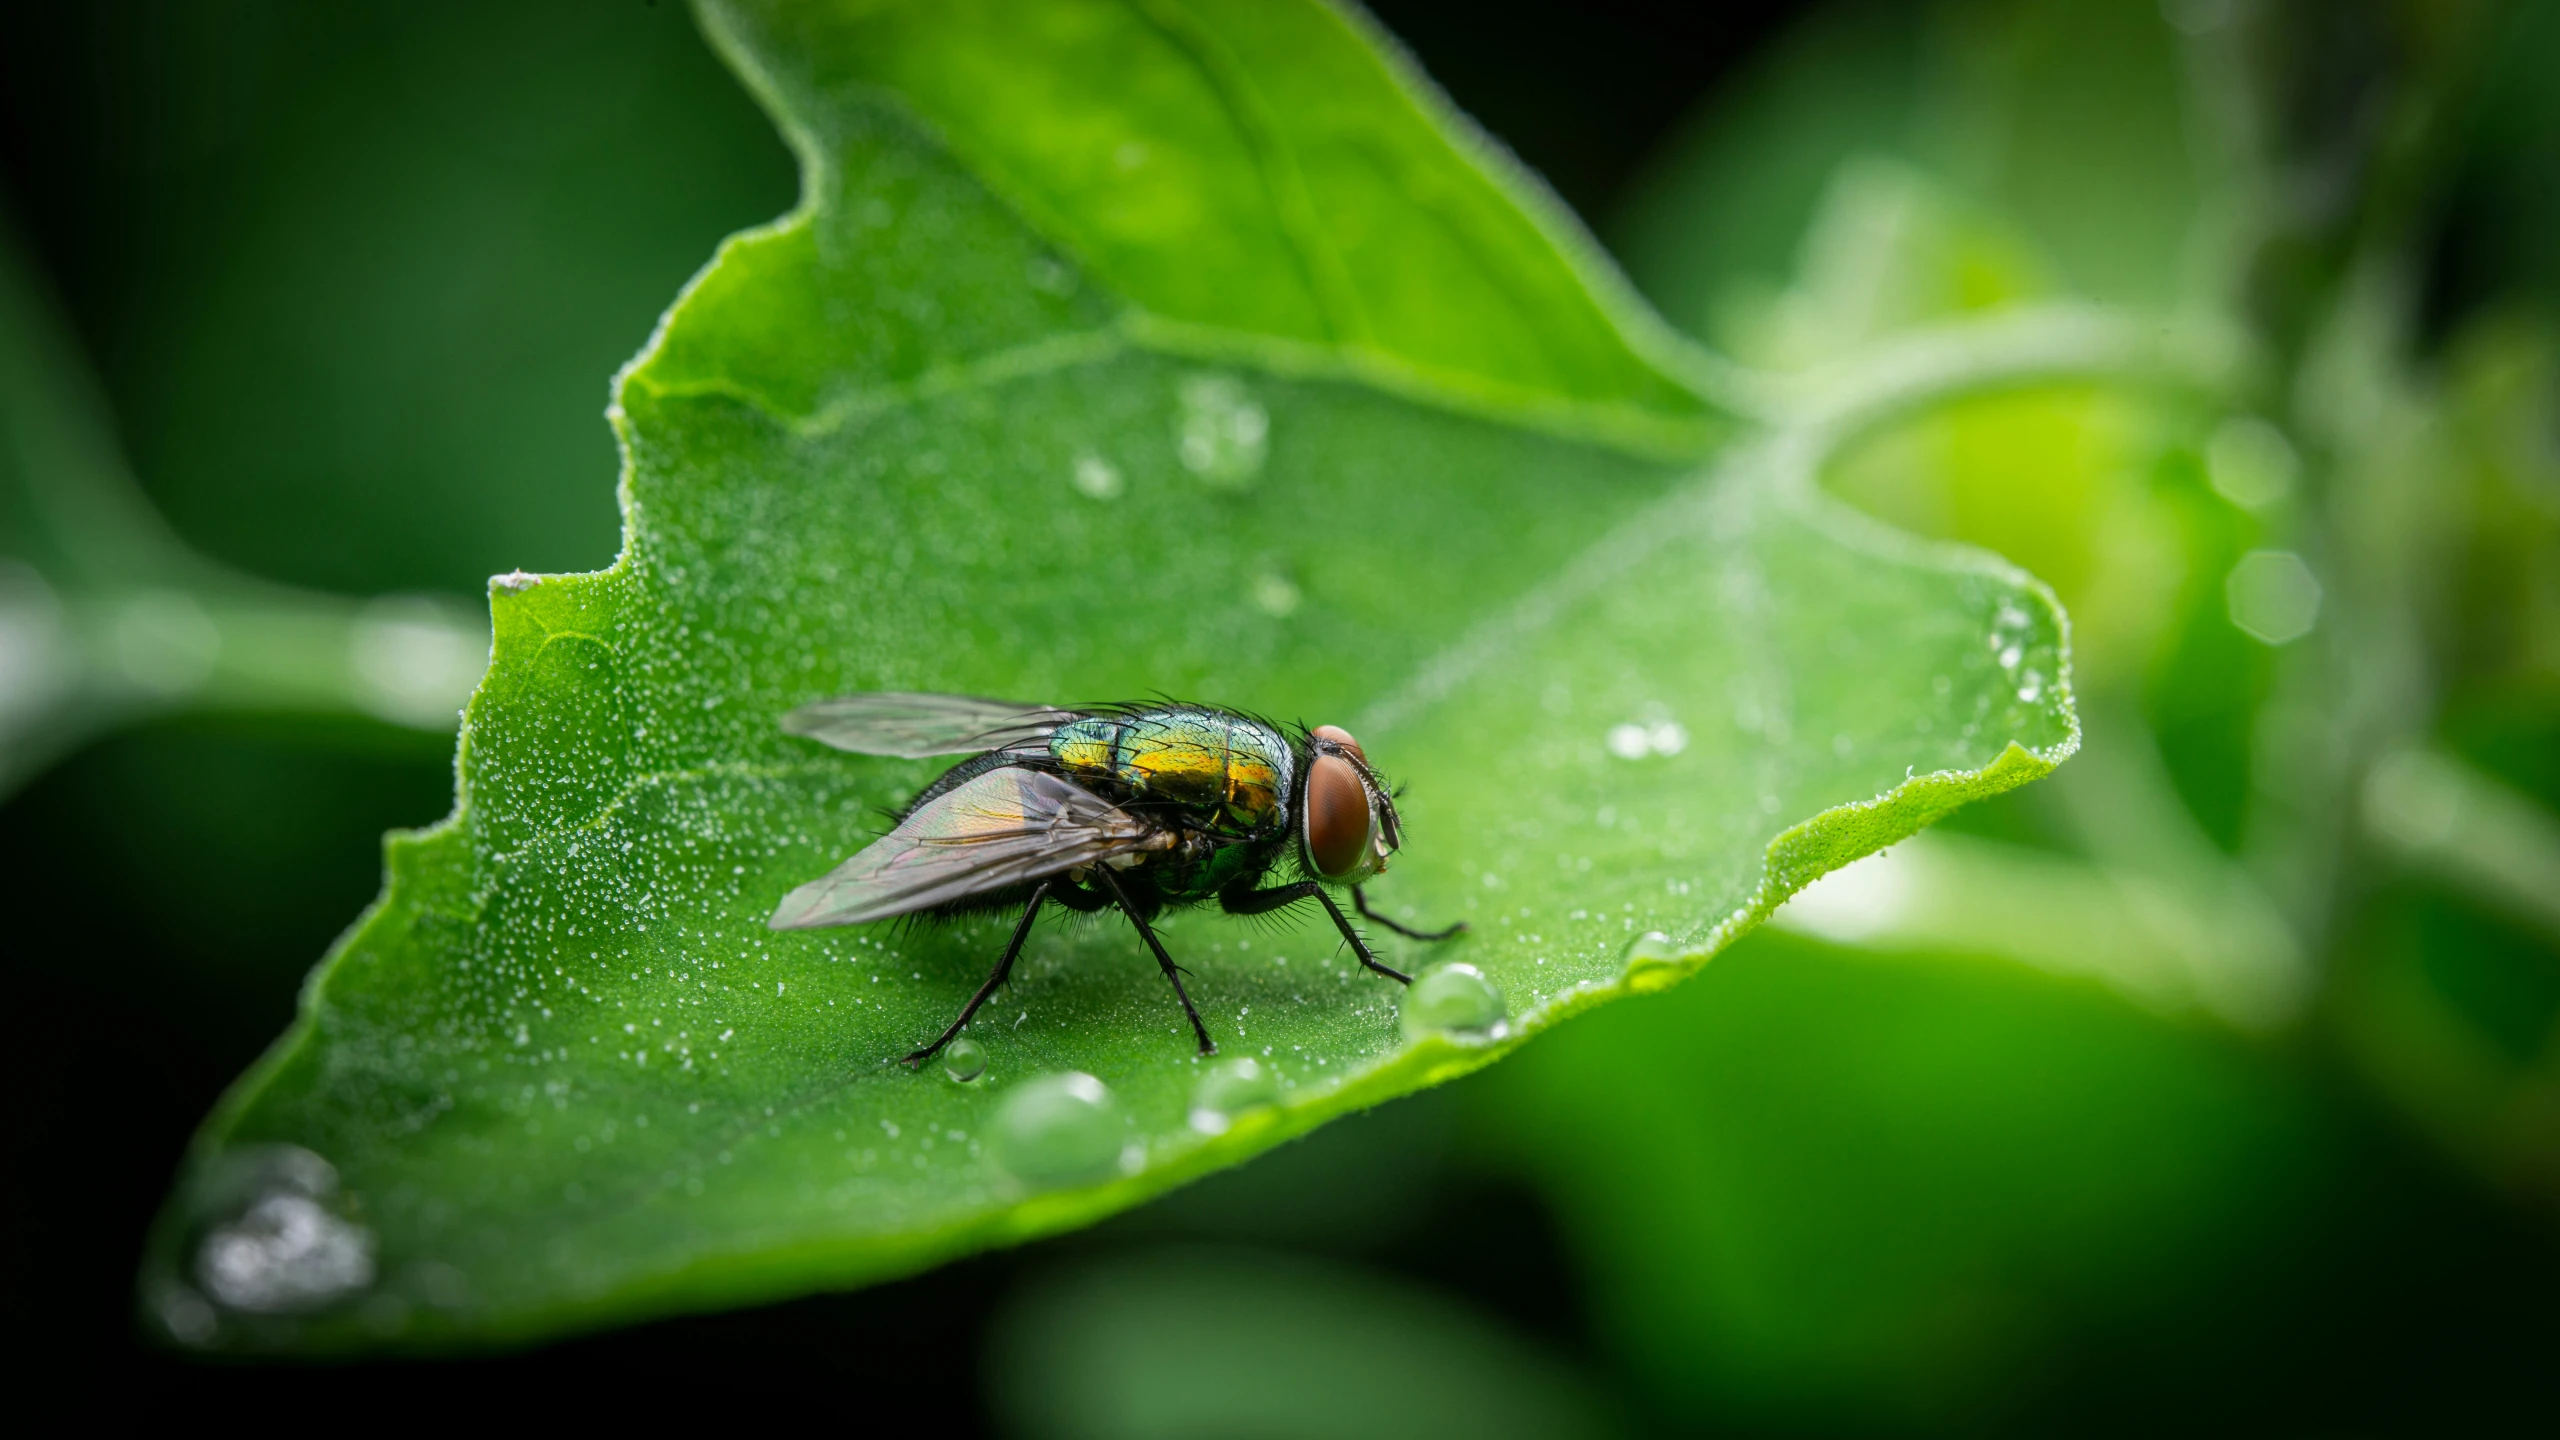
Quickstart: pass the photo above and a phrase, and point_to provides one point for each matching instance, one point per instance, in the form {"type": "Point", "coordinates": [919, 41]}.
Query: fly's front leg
{"type": "Point", "coordinates": [1258, 902]}
{"type": "Point", "coordinates": [1004, 967]}
{"type": "Point", "coordinates": [1360, 902]}
{"type": "Point", "coordinates": [1172, 971]}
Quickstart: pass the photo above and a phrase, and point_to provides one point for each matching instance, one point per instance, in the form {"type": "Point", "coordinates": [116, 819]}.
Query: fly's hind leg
{"type": "Point", "coordinates": [1004, 967]}
{"type": "Point", "coordinates": [1360, 902]}
{"type": "Point", "coordinates": [1172, 971]}
{"type": "Point", "coordinates": [1256, 902]}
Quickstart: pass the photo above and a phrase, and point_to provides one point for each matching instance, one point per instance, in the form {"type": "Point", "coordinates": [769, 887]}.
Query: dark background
{"type": "Point", "coordinates": [354, 280]}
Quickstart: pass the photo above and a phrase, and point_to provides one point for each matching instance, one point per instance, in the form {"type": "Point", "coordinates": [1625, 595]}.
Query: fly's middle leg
{"type": "Point", "coordinates": [1004, 967]}
{"type": "Point", "coordinates": [1172, 972]}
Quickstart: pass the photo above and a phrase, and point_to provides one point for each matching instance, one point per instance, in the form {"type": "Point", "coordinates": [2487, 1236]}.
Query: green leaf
{"type": "Point", "coordinates": [964, 422]}
{"type": "Point", "coordinates": [1263, 177]}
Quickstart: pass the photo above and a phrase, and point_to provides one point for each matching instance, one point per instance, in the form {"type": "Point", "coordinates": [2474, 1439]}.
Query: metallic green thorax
{"type": "Point", "coordinates": [1224, 774]}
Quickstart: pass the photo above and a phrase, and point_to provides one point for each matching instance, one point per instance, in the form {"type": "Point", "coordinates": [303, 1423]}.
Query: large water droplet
{"type": "Point", "coordinates": [964, 1059]}
{"type": "Point", "coordinates": [1229, 1089]}
{"type": "Point", "coordinates": [271, 1244]}
{"type": "Point", "coordinates": [1653, 962]}
{"type": "Point", "coordinates": [1060, 1129]}
{"type": "Point", "coordinates": [1223, 433]}
{"type": "Point", "coordinates": [1455, 1000]}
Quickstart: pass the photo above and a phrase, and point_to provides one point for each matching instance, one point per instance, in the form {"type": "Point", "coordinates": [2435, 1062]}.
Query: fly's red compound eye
{"type": "Point", "coordinates": [1341, 737]}
{"type": "Point", "coordinates": [1338, 818]}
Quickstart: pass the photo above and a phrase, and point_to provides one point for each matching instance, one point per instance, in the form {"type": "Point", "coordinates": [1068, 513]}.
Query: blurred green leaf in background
{"type": "Point", "coordinates": [2209, 1083]}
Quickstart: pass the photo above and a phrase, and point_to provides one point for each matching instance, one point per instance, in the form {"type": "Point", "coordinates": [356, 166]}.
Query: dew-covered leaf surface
{"type": "Point", "coordinates": [989, 415]}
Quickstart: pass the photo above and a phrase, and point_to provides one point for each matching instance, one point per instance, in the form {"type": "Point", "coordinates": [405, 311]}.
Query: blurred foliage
{"type": "Point", "coordinates": [186, 870]}
{"type": "Point", "coordinates": [358, 277]}
{"type": "Point", "coordinates": [1947, 161]}
{"type": "Point", "coordinates": [1185, 1341]}
{"type": "Point", "coordinates": [1889, 1193]}
{"type": "Point", "coordinates": [2113, 1166]}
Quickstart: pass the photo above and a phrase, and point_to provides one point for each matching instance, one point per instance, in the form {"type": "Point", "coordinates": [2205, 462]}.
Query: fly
{"type": "Point", "coordinates": [1138, 807]}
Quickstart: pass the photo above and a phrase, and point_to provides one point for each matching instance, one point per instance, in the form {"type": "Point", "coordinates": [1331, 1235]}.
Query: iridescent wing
{"type": "Point", "coordinates": [913, 725]}
{"type": "Point", "coordinates": [1009, 826]}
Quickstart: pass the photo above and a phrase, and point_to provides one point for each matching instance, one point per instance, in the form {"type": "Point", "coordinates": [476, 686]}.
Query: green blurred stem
{"type": "Point", "coordinates": [2447, 819]}
{"type": "Point", "coordinates": [2026, 345]}
{"type": "Point", "coordinates": [106, 616]}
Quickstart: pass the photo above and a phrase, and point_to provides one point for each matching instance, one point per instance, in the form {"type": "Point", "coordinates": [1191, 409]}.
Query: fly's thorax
{"type": "Point", "coordinates": [1087, 749]}
{"type": "Point", "coordinates": [1233, 770]}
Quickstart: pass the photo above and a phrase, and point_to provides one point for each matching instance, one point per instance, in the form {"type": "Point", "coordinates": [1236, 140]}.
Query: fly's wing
{"type": "Point", "coordinates": [912, 725]}
{"type": "Point", "coordinates": [1009, 826]}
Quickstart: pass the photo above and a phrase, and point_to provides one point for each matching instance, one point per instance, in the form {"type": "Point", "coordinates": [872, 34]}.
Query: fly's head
{"type": "Point", "coordinates": [1347, 825]}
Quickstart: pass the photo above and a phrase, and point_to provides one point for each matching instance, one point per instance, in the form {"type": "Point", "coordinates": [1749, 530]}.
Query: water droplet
{"type": "Point", "coordinates": [1059, 1129]}
{"type": "Point", "coordinates": [1276, 594]}
{"type": "Point", "coordinates": [1098, 477]}
{"type": "Point", "coordinates": [1229, 1089]}
{"type": "Point", "coordinates": [2273, 595]}
{"type": "Point", "coordinates": [1653, 962]}
{"type": "Point", "coordinates": [1223, 434]}
{"type": "Point", "coordinates": [964, 1060]}
{"type": "Point", "coordinates": [1656, 736]}
{"type": "Point", "coordinates": [2250, 463]}
{"type": "Point", "coordinates": [1453, 999]}
{"type": "Point", "coordinates": [271, 1244]}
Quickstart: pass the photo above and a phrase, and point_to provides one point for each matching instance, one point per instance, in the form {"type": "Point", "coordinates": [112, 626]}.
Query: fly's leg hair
{"type": "Point", "coordinates": [1077, 898]}
{"type": "Point", "coordinates": [1004, 967]}
{"type": "Point", "coordinates": [1172, 972]}
{"type": "Point", "coordinates": [1255, 902]}
{"type": "Point", "coordinates": [1360, 902]}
